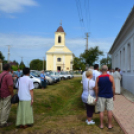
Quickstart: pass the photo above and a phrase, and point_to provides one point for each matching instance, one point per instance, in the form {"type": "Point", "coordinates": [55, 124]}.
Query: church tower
{"type": "Point", "coordinates": [60, 37]}
{"type": "Point", "coordinates": [59, 57]}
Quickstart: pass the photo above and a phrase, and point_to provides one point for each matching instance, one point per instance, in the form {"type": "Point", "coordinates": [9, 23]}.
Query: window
{"type": "Point", "coordinates": [124, 59]}
{"type": "Point", "coordinates": [59, 59]}
{"type": "Point", "coordinates": [120, 61]}
{"type": "Point", "coordinates": [59, 39]}
{"type": "Point", "coordinates": [129, 57]}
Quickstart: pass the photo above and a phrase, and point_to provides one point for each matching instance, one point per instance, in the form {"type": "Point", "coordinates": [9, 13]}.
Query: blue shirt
{"type": "Point", "coordinates": [105, 86]}
{"type": "Point", "coordinates": [18, 74]}
{"type": "Point", "coordinates": [42, 76]}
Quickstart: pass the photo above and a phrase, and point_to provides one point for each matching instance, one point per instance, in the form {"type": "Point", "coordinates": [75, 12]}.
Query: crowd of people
{"type": "Point", "coordinates": [102, 85]}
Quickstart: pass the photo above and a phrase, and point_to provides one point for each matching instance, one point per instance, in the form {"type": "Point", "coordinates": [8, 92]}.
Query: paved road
{"type": "Point", "coordinates": [124, 113]}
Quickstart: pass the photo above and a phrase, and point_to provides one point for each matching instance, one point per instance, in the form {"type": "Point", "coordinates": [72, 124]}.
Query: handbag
{"type": "Point", "coordinates": [15, 99]}
{"type": "Point", "coordinates": [91, 99]}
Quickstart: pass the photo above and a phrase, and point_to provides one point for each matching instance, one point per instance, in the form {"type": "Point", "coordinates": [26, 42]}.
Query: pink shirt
{"type": "Point", "coordinates": [7, 81]}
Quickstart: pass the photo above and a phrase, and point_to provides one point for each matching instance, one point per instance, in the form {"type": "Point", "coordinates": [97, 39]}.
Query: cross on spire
{"type": "Point", "coordinates": [61, 22]}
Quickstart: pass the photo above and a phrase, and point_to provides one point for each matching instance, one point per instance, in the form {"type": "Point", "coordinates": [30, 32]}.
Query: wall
{"type": "Point", "coordinates": [123, 57]}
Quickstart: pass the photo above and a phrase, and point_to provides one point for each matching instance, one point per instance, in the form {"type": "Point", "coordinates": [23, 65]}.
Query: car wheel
{"type": "Point", "coordinates": [36, 85]}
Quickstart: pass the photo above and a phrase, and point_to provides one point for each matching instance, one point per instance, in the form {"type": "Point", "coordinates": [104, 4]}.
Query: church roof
{"type": "Point", "coordinates": [60, 29]}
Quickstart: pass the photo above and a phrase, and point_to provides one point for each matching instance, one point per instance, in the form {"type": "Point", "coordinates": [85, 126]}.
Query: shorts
{"type": "Point", "coordinates": [103, 103]}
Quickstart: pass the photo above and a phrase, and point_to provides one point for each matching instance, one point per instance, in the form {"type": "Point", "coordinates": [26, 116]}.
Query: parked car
{"type": "Point", "coordinates": [55, 75]}
{"type": "Point", "coordinates": [69, 75]}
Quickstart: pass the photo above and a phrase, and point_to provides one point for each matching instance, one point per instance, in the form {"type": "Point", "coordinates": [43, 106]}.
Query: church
{"type": "Point", "coordinates": [59, 57]}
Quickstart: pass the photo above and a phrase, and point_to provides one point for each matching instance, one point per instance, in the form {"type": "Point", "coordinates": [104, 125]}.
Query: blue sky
{"type": "Point", "coordinates": [29, 25]}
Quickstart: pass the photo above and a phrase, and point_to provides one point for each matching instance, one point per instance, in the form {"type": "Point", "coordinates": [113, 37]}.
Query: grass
{"type": "Point", "coordinates": [59, 110]}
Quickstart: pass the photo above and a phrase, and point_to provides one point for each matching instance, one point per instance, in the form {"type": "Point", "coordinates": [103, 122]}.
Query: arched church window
{"type": "Point", "coordinates": [59, 39]}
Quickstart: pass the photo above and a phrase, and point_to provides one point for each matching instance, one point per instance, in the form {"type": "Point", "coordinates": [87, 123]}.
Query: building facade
{"type": "Point", "coordinates": [122, 52]}
{"type": "Point", "coordinates": [59, 57]}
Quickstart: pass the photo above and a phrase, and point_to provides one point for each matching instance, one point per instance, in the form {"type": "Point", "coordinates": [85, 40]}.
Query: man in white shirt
{"type": "Point", "coordinates": [96, 73]}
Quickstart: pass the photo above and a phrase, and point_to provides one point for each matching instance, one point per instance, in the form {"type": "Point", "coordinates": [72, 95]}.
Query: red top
{"type": "Point", "coordinates": [7, 81]}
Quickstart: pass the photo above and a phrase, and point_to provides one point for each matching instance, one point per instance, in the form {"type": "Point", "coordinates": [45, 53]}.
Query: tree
{"type": "Point", "coordinates": [2, 56]}
{"type": "Point", "coordinates": [14, 67]}
{"type": "Point", "coordinates": [91, 55]}
{"type": "Point", "coordinates": [78, 64]}
{"type": "Point", "coordinates": [106, 61]}
{"type": "Point", "coordinates": [22, 65]}
{"type": "Point", "coordinates": [37, 64]}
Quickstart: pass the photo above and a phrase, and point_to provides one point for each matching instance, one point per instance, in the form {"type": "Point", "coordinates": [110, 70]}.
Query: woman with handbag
{"type": "Point", "coordinates": [25, 94]}
{"type": "Point", "coordinates": [88, 92]}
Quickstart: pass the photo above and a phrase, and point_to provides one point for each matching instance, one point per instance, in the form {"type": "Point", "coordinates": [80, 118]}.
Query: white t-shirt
{"type": "Point", "coordinates": [96, 74]}
{"type": "Point", "coordinates": [88, 90]}
{"type": "Point", "coordinates": [25, 85]}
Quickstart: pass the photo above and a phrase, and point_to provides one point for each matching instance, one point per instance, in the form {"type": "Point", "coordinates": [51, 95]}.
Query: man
{"type": "Point", "coordinates": [96, 73]}
{"type": "Point", "coordinates": [105, 91]}
{"type": "Point", "coordinates": [6, 92]}
{"type": "Point", "coordinates": [18, 73]}
{"type": "Point", "coordinates": [117, 79]}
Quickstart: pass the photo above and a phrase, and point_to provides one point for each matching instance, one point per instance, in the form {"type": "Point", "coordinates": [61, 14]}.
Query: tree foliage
{"type": "Point", "coordinates": [2, 56]}
{"type": "Point", "coordinates": [106, 61]}
{"type": "Point", "coordinates": [91, 55]}
{"type": "Point", "coordinates": [22, 65]}
{"type": "Point", "coordinates": [78, 64]}
{"type": "Point", "coordinates": [37, 64]}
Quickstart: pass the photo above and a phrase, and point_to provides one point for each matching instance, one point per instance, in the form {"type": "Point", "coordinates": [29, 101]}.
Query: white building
{"type": "Point", "coordinates": [122, 52]}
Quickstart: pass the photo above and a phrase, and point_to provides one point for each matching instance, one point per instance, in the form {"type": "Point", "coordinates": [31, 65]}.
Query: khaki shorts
{"type": "Point", "coordinates": [103, 103]}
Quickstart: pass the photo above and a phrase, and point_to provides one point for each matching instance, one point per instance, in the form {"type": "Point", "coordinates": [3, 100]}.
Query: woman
{"type": "Point", "coordinates": [43, 80]}
{"type": "Point", "coordinates": [117, 79]}
{"type": "Point", "coordinates": [25, 94]}
{"type": "Point", "coordinates": [88, 88]}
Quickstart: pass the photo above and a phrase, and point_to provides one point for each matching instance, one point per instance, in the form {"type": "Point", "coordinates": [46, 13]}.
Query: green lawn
{"type": "Point", "coordinates": [59, 110]}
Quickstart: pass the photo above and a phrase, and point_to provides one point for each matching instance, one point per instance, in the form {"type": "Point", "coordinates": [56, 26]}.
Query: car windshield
{"type": "Point", "coordinates": [35, 74]}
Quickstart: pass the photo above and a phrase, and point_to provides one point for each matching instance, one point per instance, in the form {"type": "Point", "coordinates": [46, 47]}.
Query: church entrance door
{"type": "Point", "coordinates": [58, 68]}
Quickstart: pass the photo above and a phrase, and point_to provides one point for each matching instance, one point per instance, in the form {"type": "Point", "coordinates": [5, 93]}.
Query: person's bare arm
{"type": "Point", "coordinates": [113, 86]}
{"type": "Point", "coordinates": [96, 88]}
{"type": "Point", "coordinates": [31, 92]}
{"type": "Point", "coordinates": [10, 88]}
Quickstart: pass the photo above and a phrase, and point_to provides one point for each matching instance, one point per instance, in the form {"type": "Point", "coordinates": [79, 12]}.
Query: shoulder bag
{"type": "Point", "coordinates": [15, 98]}
{"type": "Point", "coordinates": [91, 99]}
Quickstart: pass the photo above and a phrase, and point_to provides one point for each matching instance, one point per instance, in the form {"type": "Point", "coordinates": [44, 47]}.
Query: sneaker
{"type": "Point", "coordinates": [90, 122]}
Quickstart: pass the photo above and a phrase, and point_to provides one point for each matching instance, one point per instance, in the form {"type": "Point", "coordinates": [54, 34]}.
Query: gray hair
{"type": "Point", "coordinates": [104, 68]}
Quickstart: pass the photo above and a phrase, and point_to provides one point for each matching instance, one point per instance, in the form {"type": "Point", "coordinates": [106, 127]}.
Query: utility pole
{"type": "Point", "coordinates": [43, 62]}
{"type": "Point", "coordinates": [87, 41]}
{"type": "Point", "coordinates": [21, 59]}
{"type": "Point", "coordinates": [8, 53]}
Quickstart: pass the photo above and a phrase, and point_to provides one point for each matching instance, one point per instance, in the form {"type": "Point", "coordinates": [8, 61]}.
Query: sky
{"type": "Point", "coordinates": [29, 26]}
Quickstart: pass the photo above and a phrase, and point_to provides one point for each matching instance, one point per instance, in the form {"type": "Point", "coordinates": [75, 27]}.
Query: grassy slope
{"type": "Point", "coordinates": [59, 110]}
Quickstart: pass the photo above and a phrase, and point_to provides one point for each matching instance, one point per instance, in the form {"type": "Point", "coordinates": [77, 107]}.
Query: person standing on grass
{"type": "Point", "coordinates": [43, 79]}
{"type": "Point", "coordinates": [117, 79]}
{"type": "Point", "coordinates": [105, 91]}
{"type": "Point", "coordinates": [25, 94]}
{"type": "Point", "coordinates": [88, 88]}
{"type": "Point", "coordinates": [6, 93]}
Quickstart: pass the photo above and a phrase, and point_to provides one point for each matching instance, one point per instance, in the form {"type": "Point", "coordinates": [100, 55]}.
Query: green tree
{"type": "Point", "coordinates": [2, 56]}
{"type": "Point", "coordinates": [37, 64]}
{"type": "Point", "coordinates": [91, 55]}
{"type": "Point", "coordinates": [106, 61]}
{"type": "Point", "coordinates": [14, 67]}
{"type": "Point", "coordinates": [78, 64]}
{"type": "Point", "coordinates": [22, 65]}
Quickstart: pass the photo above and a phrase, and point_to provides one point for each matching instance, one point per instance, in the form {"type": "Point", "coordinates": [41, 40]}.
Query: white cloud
{"type": "Point", "coordinates": [12, 6]}
{"type": "Point", "coordinates": [31, 47]}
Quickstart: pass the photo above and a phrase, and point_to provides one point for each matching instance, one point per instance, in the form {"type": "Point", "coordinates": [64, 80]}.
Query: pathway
{"type": "Point", "coordinates": [124, 113]}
